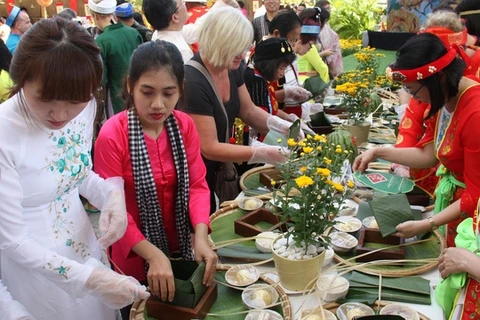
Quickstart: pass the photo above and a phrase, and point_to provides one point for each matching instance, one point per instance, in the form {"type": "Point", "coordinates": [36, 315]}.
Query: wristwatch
{"type": "Point", "coordinates": [432, 224]}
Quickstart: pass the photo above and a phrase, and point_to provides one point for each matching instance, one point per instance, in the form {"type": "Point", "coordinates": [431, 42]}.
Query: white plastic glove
{"type": "Point", "coordinates": [309, 108]}
{"type": "Point", "coordinates": [113, 289]}
{"type": "Point", "coordinates": [296, 93]}
{"type": "Point", "coordinates": [305, 128]}
{"type": "Point", "coordinates": [281, 126]}
{"type": "Point", "coordinates": [401, 170]}
{"type": "Point", "coordinates": [11, 309]}
{"type": "Point", "coordinates": [108, 196]}
{"type": "Point", "coordinates": [113, 217]}
{"type": "Point", "coordinates": [264, 153]}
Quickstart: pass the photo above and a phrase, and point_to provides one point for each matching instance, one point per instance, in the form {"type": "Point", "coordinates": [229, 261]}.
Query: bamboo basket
{"type": "Point", "coordinates": [138, 309]}
{"type": "Point", "coordinates": [251, 177]}
{"type": "Point", "coordinates": [376, 306]}
{"type": "Point", "coordinates": [401, 271]}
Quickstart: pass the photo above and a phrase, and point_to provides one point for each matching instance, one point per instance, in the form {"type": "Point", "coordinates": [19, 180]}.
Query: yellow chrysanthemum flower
{"type": "Point", "coordinates": [350, 184]}
{"type": "Point", "coordinates": [338, 150]}
{"type": "Point", "coordinates": [338, 186]}
{"type": "Point", "coordinates": [273, 182]}
{"type": "Point", "coordinates": [327, 161]}
{"type": "Point", "coordinates": [324, 172]}
{"type": "Point", "coordinates": [303, 169]}
{"type": "Point", "coordinates": [291, 142]}
{"type": "Point", "coordinates": [303, 181]}
{"type": "Point", "coordinates": [308, 150]}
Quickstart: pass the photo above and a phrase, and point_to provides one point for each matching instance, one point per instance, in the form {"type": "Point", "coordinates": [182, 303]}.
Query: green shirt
{"type": "Point", "coordinates": [117, 43]}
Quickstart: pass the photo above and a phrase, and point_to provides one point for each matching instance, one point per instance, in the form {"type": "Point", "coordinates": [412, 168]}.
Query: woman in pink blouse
{"type": "Point", "coordinates": [156, 150]}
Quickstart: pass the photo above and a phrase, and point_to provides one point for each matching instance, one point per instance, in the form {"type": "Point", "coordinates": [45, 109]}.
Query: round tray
{"type": "Point", "coordinates": [332, 307]}
{"type": "Point", "coordinates": [250, 179]}
{"type": "Point", "coordinates": [224, 301]}
{"type": "Point", "coordinates": [223, 229]}
{"type": "Point", "coordinates": [428, 249]}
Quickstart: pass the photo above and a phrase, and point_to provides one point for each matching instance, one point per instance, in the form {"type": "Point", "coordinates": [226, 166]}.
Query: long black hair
{"type": "Point", "coordinates": [153, 55]}
{"type": "Point", "coordinates": [423, 49]}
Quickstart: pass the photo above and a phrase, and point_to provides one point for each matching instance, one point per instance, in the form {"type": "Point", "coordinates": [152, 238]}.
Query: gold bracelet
{"type": "Point", "coordinates": [432, 224]}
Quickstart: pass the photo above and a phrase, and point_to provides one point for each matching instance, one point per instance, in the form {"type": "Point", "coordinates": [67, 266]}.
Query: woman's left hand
{"type": "Point", "coordinates": [203, 252]}
{"type": "Point", "coordinates": [454, 260]}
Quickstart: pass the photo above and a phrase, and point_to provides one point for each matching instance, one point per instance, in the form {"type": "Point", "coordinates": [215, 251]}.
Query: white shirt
{"type": "Point", "coordinates": [175, 37]}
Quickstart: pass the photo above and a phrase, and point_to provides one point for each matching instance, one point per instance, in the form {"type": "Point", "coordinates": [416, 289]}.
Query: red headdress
{"type": "Point", "coordinates": [447, 36]}
{"type": "Point", "coordinates": [410, 75]}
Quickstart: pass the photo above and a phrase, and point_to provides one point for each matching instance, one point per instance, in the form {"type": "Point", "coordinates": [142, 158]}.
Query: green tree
{"type": "Point", "coordinates": [351, 17]}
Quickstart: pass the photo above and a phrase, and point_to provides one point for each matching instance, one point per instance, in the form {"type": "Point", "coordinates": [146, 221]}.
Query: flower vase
{"type": "Point", "coordinates": [360, 132]}
{"type": "Point", "coordinates": [297, 275]}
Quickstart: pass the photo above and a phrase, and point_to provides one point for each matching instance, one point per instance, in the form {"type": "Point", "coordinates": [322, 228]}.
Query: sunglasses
{"type": "Point", "coordinates": [181, 5]}
{"type": "Point", "coordinates": [413, 94]}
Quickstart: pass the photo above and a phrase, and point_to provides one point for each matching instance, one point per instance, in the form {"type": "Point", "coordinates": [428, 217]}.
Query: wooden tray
{"type": "Point", "coordinates": [425, 250]}
{"type": "Point", "coordinates": [223, 229]}
{"type": "Point", "coordinates": [332, 307]}
{"type": "Point", "coordinates": [229, 300]}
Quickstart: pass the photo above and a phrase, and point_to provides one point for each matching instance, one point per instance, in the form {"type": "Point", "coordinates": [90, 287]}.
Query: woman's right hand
{"type": "Point", "coordinates": [160, 277]}
{"type": "Point", "coordinates": [362, 160]}
{"type": "Point", "coordinates": [113, 289]}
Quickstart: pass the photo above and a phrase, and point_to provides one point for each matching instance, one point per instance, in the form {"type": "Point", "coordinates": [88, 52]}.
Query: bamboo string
{"type": "Point", "coordinates": [379, 292]}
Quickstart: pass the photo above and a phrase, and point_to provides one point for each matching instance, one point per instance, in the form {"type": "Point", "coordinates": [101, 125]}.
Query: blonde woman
{"type": "Point", "coordinates": [225, 37]}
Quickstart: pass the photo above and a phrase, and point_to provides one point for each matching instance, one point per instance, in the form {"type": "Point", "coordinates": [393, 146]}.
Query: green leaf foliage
{"type": "Point", "coordinates": [351, 17]}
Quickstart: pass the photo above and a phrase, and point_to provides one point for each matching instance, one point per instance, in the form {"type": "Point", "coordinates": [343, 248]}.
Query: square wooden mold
{"type": "Point", "coordinates": [165, 311]}
{"type": "Point", "coordinates": [246, 225]}
{"type": "Point", "coordinates": [267, 176]}
{"type": "Point", "coordinates": [374, 236]}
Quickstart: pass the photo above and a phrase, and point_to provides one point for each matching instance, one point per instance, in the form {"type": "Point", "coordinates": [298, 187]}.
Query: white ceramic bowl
{"type": "Point", "coordinates": [242, 275]}
{"type": "Point", "coordinates": [250, 204]}
{"type": "Point", "coordinates": [254, 300]}
{"type": "Point", "coordinates": [347, 224]}
{"type": "Point", "coordinates": [332, 287]}
{"type": "Point", "coordinates": [400, 310]}
{"type": "Point", "coordinates": [370, 222]}
{"type": "Point", "coordinates": [316, 314]}
{"type": "Point", "coordinates": [264, 240]}
{"type": "Point", "coordinates": [349, 310]}
{"type": "Point", "coordinates": [328, 257]}
{"type": "Point", "coordinates": [342, 242]}
{"type": "Point", "coordinates": [346, 211]}
{"type": "Point", "coordinates": [263, 314]}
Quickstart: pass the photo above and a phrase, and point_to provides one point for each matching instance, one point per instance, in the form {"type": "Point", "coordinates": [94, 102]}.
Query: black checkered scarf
{"type": "Point", "coordinates": [146, 191]}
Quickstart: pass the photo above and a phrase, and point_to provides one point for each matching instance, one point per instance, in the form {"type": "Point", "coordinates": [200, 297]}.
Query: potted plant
{"type": "Point", "coordinates": [359, 97]}
{"type": "Point", "coordinates": [310, 198]}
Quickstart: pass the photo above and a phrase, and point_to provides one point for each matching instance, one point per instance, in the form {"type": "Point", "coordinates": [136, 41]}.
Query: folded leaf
{"type": "Point", "coordinates": [390, 211]}
{"type": "Point", "coordinates": [413, 284]}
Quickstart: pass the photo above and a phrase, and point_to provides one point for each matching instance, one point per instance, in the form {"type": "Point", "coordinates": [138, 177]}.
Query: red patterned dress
{"type": "Point", "coordinates": [457, 147]}
{"type": "Point", "coordinates": [410, 132]}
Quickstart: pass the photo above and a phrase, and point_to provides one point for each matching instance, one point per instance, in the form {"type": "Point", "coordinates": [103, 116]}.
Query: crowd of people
{"type": "Point", "coordinates": [138, 123]}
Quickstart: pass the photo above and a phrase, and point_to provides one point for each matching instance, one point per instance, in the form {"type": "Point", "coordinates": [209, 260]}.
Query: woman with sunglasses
{"type": "Point", "coordinates": [435, 74]}
{"type": "Point", "coordinates": [451, 31]}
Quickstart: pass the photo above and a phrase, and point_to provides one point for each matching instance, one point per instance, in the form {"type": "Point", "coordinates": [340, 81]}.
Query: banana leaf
{"type": "Point", "coordinates": [228, 301]}
{"type": "Point", "coordinates": [416, 285]}
{"type": "Point", "coordinates": [390, 211]}
{"type": "Point", "coordinates": [223, 229]}
{"type": "Point", "coordinates": [388, 294]}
